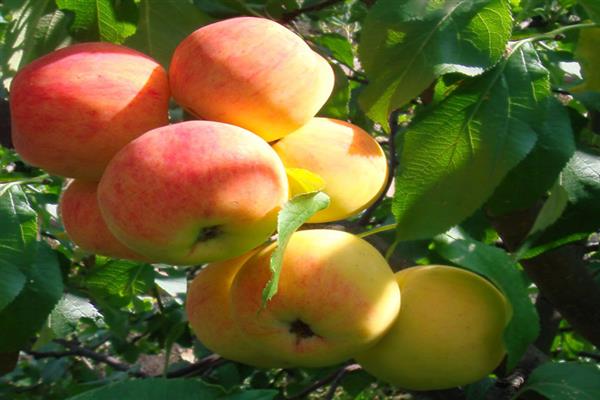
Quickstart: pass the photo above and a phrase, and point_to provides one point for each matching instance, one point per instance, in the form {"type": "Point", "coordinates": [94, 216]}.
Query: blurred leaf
{"type": "Point", "coordinates": [294, 213]}
{"type": "Point", "coordinates": [28, 311]}
{"type": "Point", "coordinates": [106, 20]}
{"type": "Point", "coordinates": [67, 313]}
{"type": "Point", "coordinates": [529, 181]}
{"type": "Point", "coordinates": [496, 265]}
{"type": "Point", "coordinates": [163, 24]}
{"type": "Point", "coordinates": [337, 105]}
{"type": "Point", "coordinates": [593, 9]}
{"type": "Point", "coordinates": [18, 223]}
{"type": "Point", "coordinates": [36, 29]}
{"type": "Point", "coordinates": [11, 283]}
{"type": "Point", "coordinates": [478, 390]}
{"type": "Point", "coordinates": [303, 181]}
{"type": "Point", "coordinates": [406, 44]}
{"type": "Point", "coordinates": [252, 395]}
{"type": "Point", "coordinates": [8, 361]}
{"type": "Point", "coordinates": [551, 210]}
{"type": "Point", "coordinates": [588, 56]}
{"type": "Point", "coordinates": [174, 283]}
{"type": "Point", "coordinates": [338, 46]}
{"type": "Point", "coordinates": [154, 389]}
{"type": "Point", "coordinates": [453, 157]}
{"type": "Point", "coordinates": [120, 280]}
{"type": "Point", "coordinates": [559, 381]}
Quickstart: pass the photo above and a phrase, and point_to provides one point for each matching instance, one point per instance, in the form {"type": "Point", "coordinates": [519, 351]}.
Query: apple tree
{"type": "Point", "coordinates": [488, 112]}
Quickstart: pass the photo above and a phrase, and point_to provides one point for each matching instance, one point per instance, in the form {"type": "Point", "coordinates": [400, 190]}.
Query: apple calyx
{"type": "Point", "coordinates": [209, 232]}
{"type": "Point", "coordinates": [302, 330]}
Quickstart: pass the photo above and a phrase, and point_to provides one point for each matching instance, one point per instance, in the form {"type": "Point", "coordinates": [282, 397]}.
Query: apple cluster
{"type": "Point", "coordinates": [209, 191]}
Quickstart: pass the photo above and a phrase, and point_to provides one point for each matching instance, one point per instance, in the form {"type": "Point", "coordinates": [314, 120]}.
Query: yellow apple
{"type": "Point", "coordinates": [337, 296]}
{"type": "Point", "coordinates": [73, 109]}
{"type": "Point", "coordinates": [448, 333]}
{"type": "Point", "coordinates": [208, 308]}
{"type": "Point", "coordinates": [349, 160]}
{"type": "Point", "coordinates": [193, 192]}
{"type": "Point", "coordinates": [84, 224]}
{"type": "Point", "coordinates": [250, 72]}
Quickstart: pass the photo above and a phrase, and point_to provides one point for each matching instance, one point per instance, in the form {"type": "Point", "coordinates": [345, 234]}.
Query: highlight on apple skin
{"type": "Point", "coordinates": [83, 223]}
{"type": "Point", "coordinates": [448, 333]}
{"type": "Point", "coordinates": [193, 192]}
{"type": "Point", "coordinates": [250, 72]}
{"type": "Point", "coordinates": [73, 109]}
{"type": "Point", "coordinates": [350, 161]}
{"type": "Point", "coordinates": [337, 296]}
{"type": "Point", "coordinates": [208, 307]}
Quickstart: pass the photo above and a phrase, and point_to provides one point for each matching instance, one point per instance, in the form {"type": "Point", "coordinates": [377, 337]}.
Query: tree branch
{"type": "Point", "coordinates": [74, 349]}
{"type": "Point", "coordinates": [332, 378]}
{"type": "Point", "coordinates": [561, 275]}
{"type": "Point", "coordinates": [288, 17]}
{"type": "Point", "coordinates": [392, 164]}
{"type": "Point", "coordinates": [196, 368]}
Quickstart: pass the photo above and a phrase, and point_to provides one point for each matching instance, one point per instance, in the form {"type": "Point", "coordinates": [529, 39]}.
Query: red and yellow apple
{"type": "Point", "coordinates": [73, 109]}
{"type": "Point", "coordinates": [349, 160]}
{"type": "Point", "coordinates": [448, 333]}
{"type": "Point", "coordinates": [337, 296]}
{"type": "Point", "coordinates": [208, 308]}
{"type": "Point", "coordinates": [84, 224]}
{"type": "Point", "coordinates": [250, 72]}
{"type": "Point", "coordinates": [193, 192]}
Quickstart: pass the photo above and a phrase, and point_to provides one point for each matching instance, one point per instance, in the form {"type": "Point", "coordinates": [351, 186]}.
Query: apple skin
{"type": "Point", "coordinates": [448, 333]}
{"type": "Point", "coordinates": [250, 72]}
{"type": "Point", "coordinates": [350, 161]}
{"type": "Point", "coordinates": [193, 192]}
{"type": "Point", "coordinates": [208, 307]}
{"type": "Point", "coordinates": [80, 214]}
{"type": "Point", "coordinates": [73, 109]}
{"type": "Point", "coordinates": [337, 296]}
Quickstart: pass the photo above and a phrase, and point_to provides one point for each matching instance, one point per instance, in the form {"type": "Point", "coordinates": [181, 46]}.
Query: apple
{"type": "Point", "coordinates": [83, 223]}
{"type": "Point", "coordinates": [73, 109]}
{"type": "Point", "coordinates": [337, 296]}
{"type": "Point", "coordinates": [250, 72]}
{"type": "Point", "coordinates": [350, 161]}
{"type": "Point", "coordinates": [193, 192]}
{"type": "Point", "coordinates": [208, 308]}
{"type": "Point", "coordinates": [448, 333]}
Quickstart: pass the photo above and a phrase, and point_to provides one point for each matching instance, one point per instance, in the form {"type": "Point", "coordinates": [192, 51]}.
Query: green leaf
{"type": "Point", "coordinates": [18, 224]}
{"type": "Point", "coordinates": [12, 282]}
{"type": "Point", "coordinates": [588, 56]}
{"type": "Point", "coordinates": [560, 381]}
{"type": "Point", "coordinates": [454, 156]}
{"type": "Point", "coordinates": [154, 389]}
{"type": "Point", "coordinates": [36, 28]}
{"type": "Point", "coordinates": [120, 281]}
{"type": "Point", "coordinates": [294, 213]}
{"type": "Point", "coordinates": [67, 313]}
{"type": "Point", "coordinates": [262, 394]}
{"type": "Point", "coordinates": [337, 105]}
{"type": "Point", "coordinates": [551, 210]}
{"type": "Point", "coordinates": [581, 181]}
{"type": "Point", "coordinates": [529, 181]}
{"type": "Point", "coordinates": [496, 265]}
{"type": "Point", "coordinates": [338, 46]}
{"type": "Point", "coordinates": [593, 9]}
{"type": "Point", "coordinates": [26, 314]}
{"type": "Point", "coordinates": [163, 24]}
{"type": "Point", "coordinates": [406, 44]}
{"type": "Point", "coordinates": [106, 20]}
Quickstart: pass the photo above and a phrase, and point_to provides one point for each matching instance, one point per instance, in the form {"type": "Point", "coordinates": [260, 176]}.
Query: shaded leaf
{"type": "Point", "coordinates": [120, 281]}
{"type": "Point", "coordinates": [529, 181]}
{"type": "Point", "coordinates": [163, 24]}
{"type": "Point", "coordinates": [104, 20]}
{"type": "Point", "coordinates": [593, 9]}
{"type": "Point", "coordinates": [67, 313]}
{"type": "Point", "coordinates": [405, 44]}
{"type": "Point", "coordinates": [337, 105]}
{"type": "Point", "coordinates": [11, 283]}
{"type": "Point", "coordinates": [588, 56]}
{"type": "Point", "coordinates": [294, 213]}
{"type": "Point", "coordinates": [454, 156]}
{"type": "Point", "coordinates": [496, 265]}
{"type": "Point", "coordinates": [560, 381]}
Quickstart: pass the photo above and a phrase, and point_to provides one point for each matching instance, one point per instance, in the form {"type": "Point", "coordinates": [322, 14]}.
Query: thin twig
{"type": "Point", "coordinates": [333, 377]}
{"type": "Point", "coordinates": [392, 164]}
{"type": "Point", "coordinates": [288, 17]}
{"type": "Point", "coordinates": [198, 367]}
